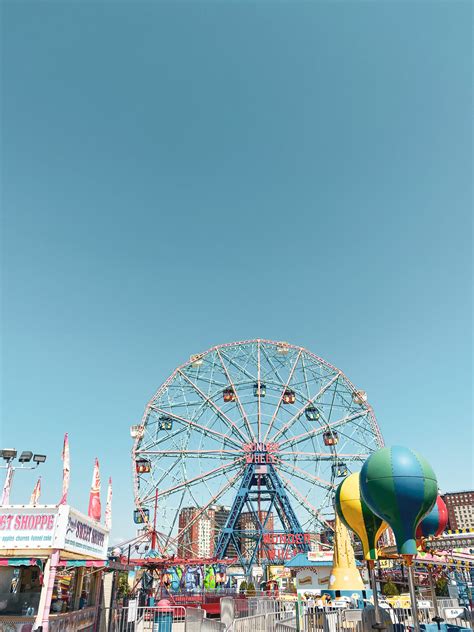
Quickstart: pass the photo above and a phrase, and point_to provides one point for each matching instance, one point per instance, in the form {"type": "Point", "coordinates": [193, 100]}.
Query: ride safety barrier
{"type": "Point", "coordinates": [269, 622]}
{"type": "Point", "coordinates": [391, 619]}
{"type": "Point", "coordinates": [134, 618]}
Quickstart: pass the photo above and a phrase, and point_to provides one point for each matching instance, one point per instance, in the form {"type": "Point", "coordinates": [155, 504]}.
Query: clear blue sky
{"type": "Point", "coordinates": [177, 175]}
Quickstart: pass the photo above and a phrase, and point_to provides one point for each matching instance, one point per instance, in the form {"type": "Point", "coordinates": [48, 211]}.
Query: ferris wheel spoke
{"type": "Point", "coordinates": [272, 421]}
{"type": "Point", "coordinates": [304, 500]}
{"type": "Point", "coordinates": [159, 441]}
{"type": "Point", "coordinates": [329, 456]}
{"type": "Point", "coordinates": [333, 403]}
{"type": "Point", "coordinates": [335, 424]}
{"type": "Point", "coordinates": [203, 429]}
{"type": "Point", "coordinates": [305, 376]}
{"type": "Point", "coordinates": [175, 519]}
{"type": "Point", "coordinates": [164, 473]}
{"type": "Point", "coordinates": [234, 363]}
{"type": "Point", "coordinates": [259, 397]}
{"type": "Point", "coordinates": [351, 438]}
{"type": "Point", "coordinates": [305, 476]}
{"type": "Point", "coordinates": [358, 428]}
{"type": "Point", "coordinates": [200, 454]}
{"type": "Point", "coordinates": [375, 429]}
{"type": "Point", "coordinates": [183, 404]}
{"type": "Point", "coordinates": [197, 479]}
{"type": "Point", "coordinates": [217, 409]}
{"type": "Point", "coordinates": [295, 417]}
{"type": "Point", "coordinates": [230, 482]}
{"type": "Point", "coordinates": [211, 382]}
{"type": "Point", "coordinates": [237, 398]}
{"type": "Point", "coordinates": [271, 363]}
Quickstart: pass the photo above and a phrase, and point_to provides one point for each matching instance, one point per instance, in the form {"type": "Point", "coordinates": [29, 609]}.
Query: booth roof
{"type": "Point", "coordinates": [301, 561]}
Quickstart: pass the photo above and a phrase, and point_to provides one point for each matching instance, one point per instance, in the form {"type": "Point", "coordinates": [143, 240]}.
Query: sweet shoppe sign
{"type": "Point", "coordinates": [42, 527]}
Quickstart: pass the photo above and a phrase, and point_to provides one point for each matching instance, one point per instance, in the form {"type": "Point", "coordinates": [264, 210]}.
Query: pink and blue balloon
{"type": "Point", "coordinates": [400, 487]}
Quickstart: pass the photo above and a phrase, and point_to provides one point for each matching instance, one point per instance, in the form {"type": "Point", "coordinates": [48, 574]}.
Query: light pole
{"type": "Point", "coordinates": [9, 455]}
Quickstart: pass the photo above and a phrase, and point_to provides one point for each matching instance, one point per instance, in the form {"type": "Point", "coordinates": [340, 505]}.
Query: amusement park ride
{"type": "Point", "coordinates": [261, 429]}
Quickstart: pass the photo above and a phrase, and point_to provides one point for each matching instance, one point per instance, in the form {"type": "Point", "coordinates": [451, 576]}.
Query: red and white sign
{"type": "Point", "coordinates": [284, 546]}
{"type": "Point", "coordinates": [27, 527]}
{"type": "Point", "coordinates": [80, 534]}
{"type": "Point", "coordinates": [52, 527]}
{"type": "Point", "coordinates": [260, 453]}
{"type": "Point", "coordinates": [287, 538]}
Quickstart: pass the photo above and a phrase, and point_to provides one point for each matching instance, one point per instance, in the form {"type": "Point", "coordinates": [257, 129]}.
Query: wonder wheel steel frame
{"type": "Point", "coordinates": [257, 432]}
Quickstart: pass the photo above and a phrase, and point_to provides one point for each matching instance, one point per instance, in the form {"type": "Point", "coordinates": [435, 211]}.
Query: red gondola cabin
{"type": "Point", "coordinates": [228, 394]}
{"type": "Point", "coordinates": [330, 437]}
{"type": "Point", "coordinates": [143, 466]}
{"type": "Point", "coordinates": [289, 396]}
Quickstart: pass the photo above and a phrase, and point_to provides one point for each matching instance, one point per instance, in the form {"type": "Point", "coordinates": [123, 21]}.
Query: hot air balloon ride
{"type": "Point", "coordinates": [435, 522]}
{"type": "Point", "coordinates": [400, 487]}
{"type": "Point", "coordinates": [354, 513]}
{"type": "Point", "coordinates": [357, 516]}
{"type": "Point", "coordinates": [433, 525]}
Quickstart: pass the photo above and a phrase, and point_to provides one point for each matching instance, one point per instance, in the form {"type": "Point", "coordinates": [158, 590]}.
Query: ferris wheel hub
{"type": "Point", "coordinates": [259, 452]}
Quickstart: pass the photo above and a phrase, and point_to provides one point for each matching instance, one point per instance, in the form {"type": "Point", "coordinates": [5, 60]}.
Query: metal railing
{"type": "Point", "coordinates": [197, 621]}
{"type": "Point", "coordinates": [404, 616]}
{"type": "Point", "coordinates": [458, 616]}
{"type": "Point", "coordinates": [255, 605]}
{"type": "Point", "coordinates": [275, 620]}
{"type": "Point", "coordinates": [394, 619]}
{"type": "Point", "coordinates": [232, 609]}
{"type": "Point", "coordinates": [329, 619]}
{"type": "Point", "coordinates": [351, 620]}
{"type": "Point", "coordinates": [255, 623]}
{"type": "Point", "coordinates": [269, 622]}
{"type": "Point", "coordinates": [445, 602]}
{"type": "Point", "coordinates": [285, 626]}
{"type": "Point", "coordinates": [270, 616]}
{"type": "Point", "coordinates": [211, 625]}
{"type": "Point", "coordinates": [318, 619]}
{"type": "Point", "coordinates": [133, 618]}
{"type": "Point", "coordinates": [269, 605]}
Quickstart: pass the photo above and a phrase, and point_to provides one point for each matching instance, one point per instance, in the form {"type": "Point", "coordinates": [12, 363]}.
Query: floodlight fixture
{"type": "Point", "coordinates": [9, 454]}
{"type": "Point", "coordinates": [39, 458]}
{"type": "Point", "coordinates": [25, 457]}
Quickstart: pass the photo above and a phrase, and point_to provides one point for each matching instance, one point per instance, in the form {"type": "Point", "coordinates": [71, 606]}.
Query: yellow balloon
{"type": "Point", "coordinates": [355, 514]}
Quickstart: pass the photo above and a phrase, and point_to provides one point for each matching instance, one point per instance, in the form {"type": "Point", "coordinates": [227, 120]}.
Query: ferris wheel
{"type": "Point", "coordinates": [244, 439]}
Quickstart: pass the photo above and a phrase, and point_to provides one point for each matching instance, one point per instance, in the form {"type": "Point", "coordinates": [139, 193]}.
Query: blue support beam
{"type": "Point", "coordinates": [257, 487]}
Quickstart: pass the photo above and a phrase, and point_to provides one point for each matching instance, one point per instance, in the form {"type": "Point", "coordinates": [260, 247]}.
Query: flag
{"type": "Point", "coordinates": [7, 485]}
{"type": "Point", "coordinates": [36, 492]}
{"type": "Point", "coordinates": [66, 469]}
{"type": "Point", "coordinates": [94, 496]}
{"type": "Point", "coordinates": [108, 507]}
